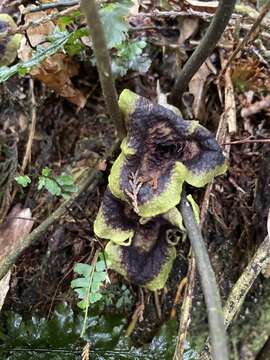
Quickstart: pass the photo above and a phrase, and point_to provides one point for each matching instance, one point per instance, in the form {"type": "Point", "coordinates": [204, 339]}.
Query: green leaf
{"type": "Point", "coordinates": [82, 304]}
{"type": "Point", "coordinates": [52, 186]}
{"type": "Point", "coordinates": [65, 180]}
{"type": "Point", "coordinates": [94, 297]}
{"type": "Point", "coordinates": [100, 266]}
{"type": "Point", "coordinates": [24, 180]}
{"type": "Point", "coordinates": [82, 292]}
{"type": "Point", "coordinates": [113, 17]}
{"type": "Point", "coordinates": [74, 45]}
{"type": "Point", "coordinates": [41, 182]}
{"type": "Point", "coordinates": [83, 269]}
{"type": "Point", "coordinates": [130, 56]}
{"type": "Point", "coordinates": [46, 172]}
{"type": "Point", "coordinates": [64, 21]}
{"type": "Point", "coordinates": [79, 283]}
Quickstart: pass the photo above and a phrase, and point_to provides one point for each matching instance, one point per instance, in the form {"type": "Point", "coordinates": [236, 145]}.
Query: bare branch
{"type": "Point", "coordinates": [90, 10]}
{"type": "Point", "coordinates": [206, 47]}
{"type": "Point", "coordinates": [219, 350]}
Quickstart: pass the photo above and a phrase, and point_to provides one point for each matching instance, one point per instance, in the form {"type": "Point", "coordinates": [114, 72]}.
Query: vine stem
{"type": "Point", "coordinates": [218, 340]}
{"type": "Point", "coordinates": [103, 60]}
{"type": "Point", "coordinates": [206, 47]}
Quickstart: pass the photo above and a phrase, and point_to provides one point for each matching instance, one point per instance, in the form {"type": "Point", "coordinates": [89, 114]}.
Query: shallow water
{"type": "Point", "coordinates": [59, 338]}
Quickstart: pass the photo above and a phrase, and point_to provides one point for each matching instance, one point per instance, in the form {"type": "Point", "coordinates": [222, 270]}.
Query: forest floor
{"type": "Point", "coordinates": [68, 138]}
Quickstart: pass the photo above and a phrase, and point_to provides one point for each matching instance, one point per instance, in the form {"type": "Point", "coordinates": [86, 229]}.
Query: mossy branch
{"type": "Point", "coordinates": [219, 350]}
{"type": "Point", "coordinates": [204, 49]}
{"type": "Point", "coordinates": [103, 60]}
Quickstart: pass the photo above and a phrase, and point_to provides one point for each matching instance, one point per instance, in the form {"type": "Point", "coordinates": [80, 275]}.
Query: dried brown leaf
{"type": "Point", "coordinates": [197, 88]}
{"type": "Point", "coordinates": [188, 27]}
{"type": "Point", "coordinates": [4, 287]}
{"type": "Point", "coordinates": [56, 71]}
{"type": "Point", "coordinates": [230, 106]}
{"type": "Point", "coordinates": [13, 230]}
{"type": "Point", "coordinates": [38, 34]}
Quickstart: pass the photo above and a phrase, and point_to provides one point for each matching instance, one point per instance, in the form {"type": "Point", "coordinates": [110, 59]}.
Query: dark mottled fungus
{"type": "Point", "coordinates": [161, 152]}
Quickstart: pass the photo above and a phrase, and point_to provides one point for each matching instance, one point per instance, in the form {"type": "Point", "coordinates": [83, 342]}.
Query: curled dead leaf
{"type": "Point", "coordinates": [18, 224]}
{"type": "Point", "coordinates": [56, 71]}
{"type": "Point", "coordinates": [197, 87]}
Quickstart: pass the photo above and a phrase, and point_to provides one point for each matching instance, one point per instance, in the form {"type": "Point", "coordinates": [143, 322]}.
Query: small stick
{"type": "Point", "coordinates": [46, 6]}
{"type": "Point", "coordinates": [157, 305]}
{"type": "Point", "coordinates": [182, 285]}
{"type": "Point", "coordinates": [204, 49]}
{"type": "Point", "coordinates": [248, 141]}
{"type": "Point", "coordinates": [33, 104]}
{"type": "Point", "coordinates": [240, 46]}
{"type": "Point", "coordinates": [185, 311]}
{"type": "Point", "coordinates": [103, 60]}
{"type": "Point", "coordinates": [219, 350]}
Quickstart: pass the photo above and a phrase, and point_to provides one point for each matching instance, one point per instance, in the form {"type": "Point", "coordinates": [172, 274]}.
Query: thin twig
{"type": "Point", "coordinates": [33, 110]}
{"type": "Point", "coordinates": [219, 350]}
{"type": "Point", "coordinates": [247, 141]}
{"type": "Point", "coordinates": [103, 60]}
{"type": "Point", "coordinates": [204, 49]}
{"type": "Point", "coordinates": [182, 286]}
{"type": "Point", "coordinates": [43, 20]}
{"type": "Point", "coordinates": [241, 45]}
{"type": "Point", "coordinates": [157, 305]}
{"type": "Point", "coordinates": [46, 6]}
{"type": "Point", "coordinates": [185, 311]}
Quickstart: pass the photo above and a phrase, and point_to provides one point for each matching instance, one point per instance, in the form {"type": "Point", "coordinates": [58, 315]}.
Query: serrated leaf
{"type": "Point", "coordinates": [130, 56]}
{"type": "Point", "coordinates": [24, 180]}
{"type": "Point", "coordinates": [83, 269]}
{"type": "Point", "coordinates": [113, 17]}
{"type": "Point", "coordinates": [94, 297]}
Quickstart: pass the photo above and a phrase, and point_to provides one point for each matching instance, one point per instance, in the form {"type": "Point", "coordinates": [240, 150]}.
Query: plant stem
{"type": "Point", "coordinates": [206, 47]}
{"type": "Point", "coordinates": [219, 350]}
{"type": "Point", "coordinates": [103, 60]}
